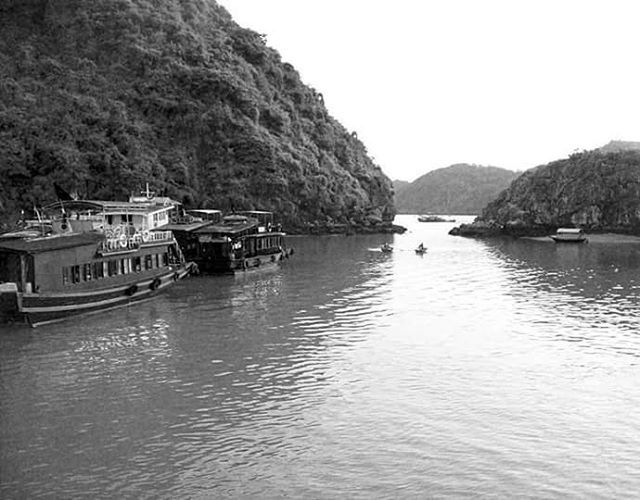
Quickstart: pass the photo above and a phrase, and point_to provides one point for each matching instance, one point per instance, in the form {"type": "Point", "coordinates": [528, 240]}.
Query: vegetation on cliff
{"type": "Point", "coordinates": [595, 190]}
{"type": "Point", "coordinates": [458, 189]}
{"type": "Point", "coordinates": [103, 97]}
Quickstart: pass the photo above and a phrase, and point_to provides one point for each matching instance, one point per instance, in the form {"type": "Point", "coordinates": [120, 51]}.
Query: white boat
{"type": "Point", "coordinates": [569, 235]}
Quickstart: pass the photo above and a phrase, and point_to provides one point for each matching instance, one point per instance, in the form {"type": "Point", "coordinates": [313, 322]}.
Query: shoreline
{"type": "Point", "coordinates": [598, 238]}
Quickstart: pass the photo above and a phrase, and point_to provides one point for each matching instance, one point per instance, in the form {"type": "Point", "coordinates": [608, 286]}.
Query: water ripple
{"type": "Point", "coordinates": [484, 368]}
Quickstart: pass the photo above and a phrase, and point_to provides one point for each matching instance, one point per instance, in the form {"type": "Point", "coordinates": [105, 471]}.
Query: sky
{"type": "Point", "coordinates": [427, 84]}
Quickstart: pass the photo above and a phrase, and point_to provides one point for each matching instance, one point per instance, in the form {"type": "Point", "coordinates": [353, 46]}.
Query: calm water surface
{"type": "Point", "coordinates": [481, 369]}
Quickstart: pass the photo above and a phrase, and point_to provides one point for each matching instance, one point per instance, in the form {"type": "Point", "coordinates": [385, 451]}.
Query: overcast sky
{"type": "Point", "coordinates": [427, 84]}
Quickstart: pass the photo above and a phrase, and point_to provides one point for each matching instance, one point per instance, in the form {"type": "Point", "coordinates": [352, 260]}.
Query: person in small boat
{"type": "Point", "coordinates": [421, 248]}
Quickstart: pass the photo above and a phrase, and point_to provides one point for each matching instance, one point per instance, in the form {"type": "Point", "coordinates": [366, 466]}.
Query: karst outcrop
{"type": "Point", "coordinates": [103, 97]}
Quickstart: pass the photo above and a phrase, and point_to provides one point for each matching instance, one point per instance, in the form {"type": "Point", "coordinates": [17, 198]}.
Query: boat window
{"type": "Point", "coordinates": [98, 270]}
{"type": "Point", "coordinates": [86, 272]}
{"type": "Point", "coordinates": [137, 264]}
{"type": "Point", "coordinates": [75, 274]}
{"type": "Point", "coordinates": [148, 262]}
{"type": "Point", "coordinates": [65, 275]}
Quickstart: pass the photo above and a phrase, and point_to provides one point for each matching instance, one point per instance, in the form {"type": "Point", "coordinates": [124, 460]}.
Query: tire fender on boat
{"type": "Point", "coordinates": [131, 290]}
{"type": "Point", "coordinates": [155, 283]}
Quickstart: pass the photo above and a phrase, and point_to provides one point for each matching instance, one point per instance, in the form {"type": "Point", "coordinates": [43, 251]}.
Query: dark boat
{"type": "Point", "coordinates": [84, 256]}
{"type": "Point", "coordinates": [569, 235]}
{"type": "Point", "coordinates": [421, 249]}
{"type": "Point", "coordinates": [239, 242]}
{"type": "Point", "coordinates": [386, 248]}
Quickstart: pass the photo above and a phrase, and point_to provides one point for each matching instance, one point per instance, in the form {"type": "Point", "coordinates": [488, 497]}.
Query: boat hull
{"type": "Point", "coordinates": [37, 309]}
{"type": "Point", "coordinates": [232, 266]}
{"type": "Point", "coordinates": [561, 239]}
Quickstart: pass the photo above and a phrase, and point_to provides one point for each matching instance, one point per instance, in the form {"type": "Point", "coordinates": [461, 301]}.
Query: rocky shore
{"type": "Point", "coordinates": [348, 229]}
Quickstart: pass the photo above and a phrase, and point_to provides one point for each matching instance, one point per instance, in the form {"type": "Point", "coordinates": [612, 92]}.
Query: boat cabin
{"type": "Point", "coordinates": [206, 214]}
{"type": "Point", "coordinates": [569, 235]}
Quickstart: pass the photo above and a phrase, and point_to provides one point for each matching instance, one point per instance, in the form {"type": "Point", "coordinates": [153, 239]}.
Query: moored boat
{"type": "Point", "coordinates": [86, 256]}
{"type": "Point", "coordinates": [569, 235]}
{"type": "Point", "coordinates": [239, 242]}
{"type": "Point", "coordinates": [433, 218]}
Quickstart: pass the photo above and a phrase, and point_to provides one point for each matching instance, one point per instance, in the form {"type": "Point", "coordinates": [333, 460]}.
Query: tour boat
{"type": "Point", "coordinates": [433, 218]}
{"type": "Point", "coordinates": [84, 256]}
{"type": "Point", "coordinates": [569, 235]}
{"type": "Point", "coordinates": [241, 241]}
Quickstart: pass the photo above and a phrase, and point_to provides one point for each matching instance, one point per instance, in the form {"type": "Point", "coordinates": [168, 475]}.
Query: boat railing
{"type": "Point", "coordinates": [120, 244]}
{"type": "Point", "coordinates": [156, 236]}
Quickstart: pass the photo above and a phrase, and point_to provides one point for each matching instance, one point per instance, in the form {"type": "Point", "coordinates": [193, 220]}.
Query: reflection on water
{"type": "Point", "coordinates": [584, 293]}
{"type": "Point", "coordinates": [487, 368]}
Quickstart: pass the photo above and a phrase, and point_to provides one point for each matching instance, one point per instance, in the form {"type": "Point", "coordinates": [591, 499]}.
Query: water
{"type": "Point", "coordinates": [481, 369]}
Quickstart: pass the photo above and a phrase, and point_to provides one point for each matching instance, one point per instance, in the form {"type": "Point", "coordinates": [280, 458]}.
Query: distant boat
{"type": "Point", "coordinates": [386, 248]}
{"type": "Point", "coordinates": [569, 235]}
{"type": "Point", "coordinates": [433, 218]}
{"type": "Point", "coordinates": [421, 250]}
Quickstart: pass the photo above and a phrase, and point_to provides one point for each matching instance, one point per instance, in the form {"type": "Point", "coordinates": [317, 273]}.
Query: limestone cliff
{"type": "Point", "coordinates": [595, 190]}
{"type": "Point", "coordinates": [103, 97]}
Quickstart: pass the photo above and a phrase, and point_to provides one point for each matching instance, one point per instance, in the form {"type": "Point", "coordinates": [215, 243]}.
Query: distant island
{"type": "Point", "coordinates": [103, 97]}
{"type": "Point", "coordinates": [597, 191]}
{"type": "Point", "coordinates": [460, 189]}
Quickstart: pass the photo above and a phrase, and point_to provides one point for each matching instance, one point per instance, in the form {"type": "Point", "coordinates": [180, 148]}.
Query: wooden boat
{"type": "Point", "coordinates": [386, 248]}
{"type": "Point", "coordinates": [86, 256]}
{"type": "Point", "coordinates": [238, 243]}
{"type": "Point", "coordinates": [433, 218]}
{"type": "Point", "coordinates": [569, 235]}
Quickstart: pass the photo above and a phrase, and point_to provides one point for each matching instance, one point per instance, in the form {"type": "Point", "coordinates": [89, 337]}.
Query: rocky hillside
{"type": "Point", "coordinates": [594, 190]}
{"type": "Point", "coordinates": [399, 185]}
{"type": "Point", "coordinates": [618, 146]}
{"type": "Point", "coordinates": [458, 189]}
{"type": "Point", "coordinates": [102, 97]}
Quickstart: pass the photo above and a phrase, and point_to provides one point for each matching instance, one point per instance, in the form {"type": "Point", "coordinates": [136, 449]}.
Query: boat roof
{"type": "Point", "coordinates": [145, 207]}
{"type": "Point", "coordinates": [236, 225]}
{"type": "Point", "coordinates": [204, 211]}
{"type": "Point", "coordinates": [569, 230]}
{"type": "Point", "coordinates": [50, 243]}
{"type": "Point", "coordinates": [187, 227]}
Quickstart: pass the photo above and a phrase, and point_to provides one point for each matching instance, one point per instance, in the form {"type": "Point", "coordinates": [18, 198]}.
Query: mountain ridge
{"type": "Point", "coordinates": [462, 189]}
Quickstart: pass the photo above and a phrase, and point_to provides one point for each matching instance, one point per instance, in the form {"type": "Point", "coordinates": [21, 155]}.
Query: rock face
{"type": "Point", "coordinates": [103, 97]}
{"type": "Point", "coordinates": [459, 189]}
{"type": "Point", "coordinates": [594, 190]}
